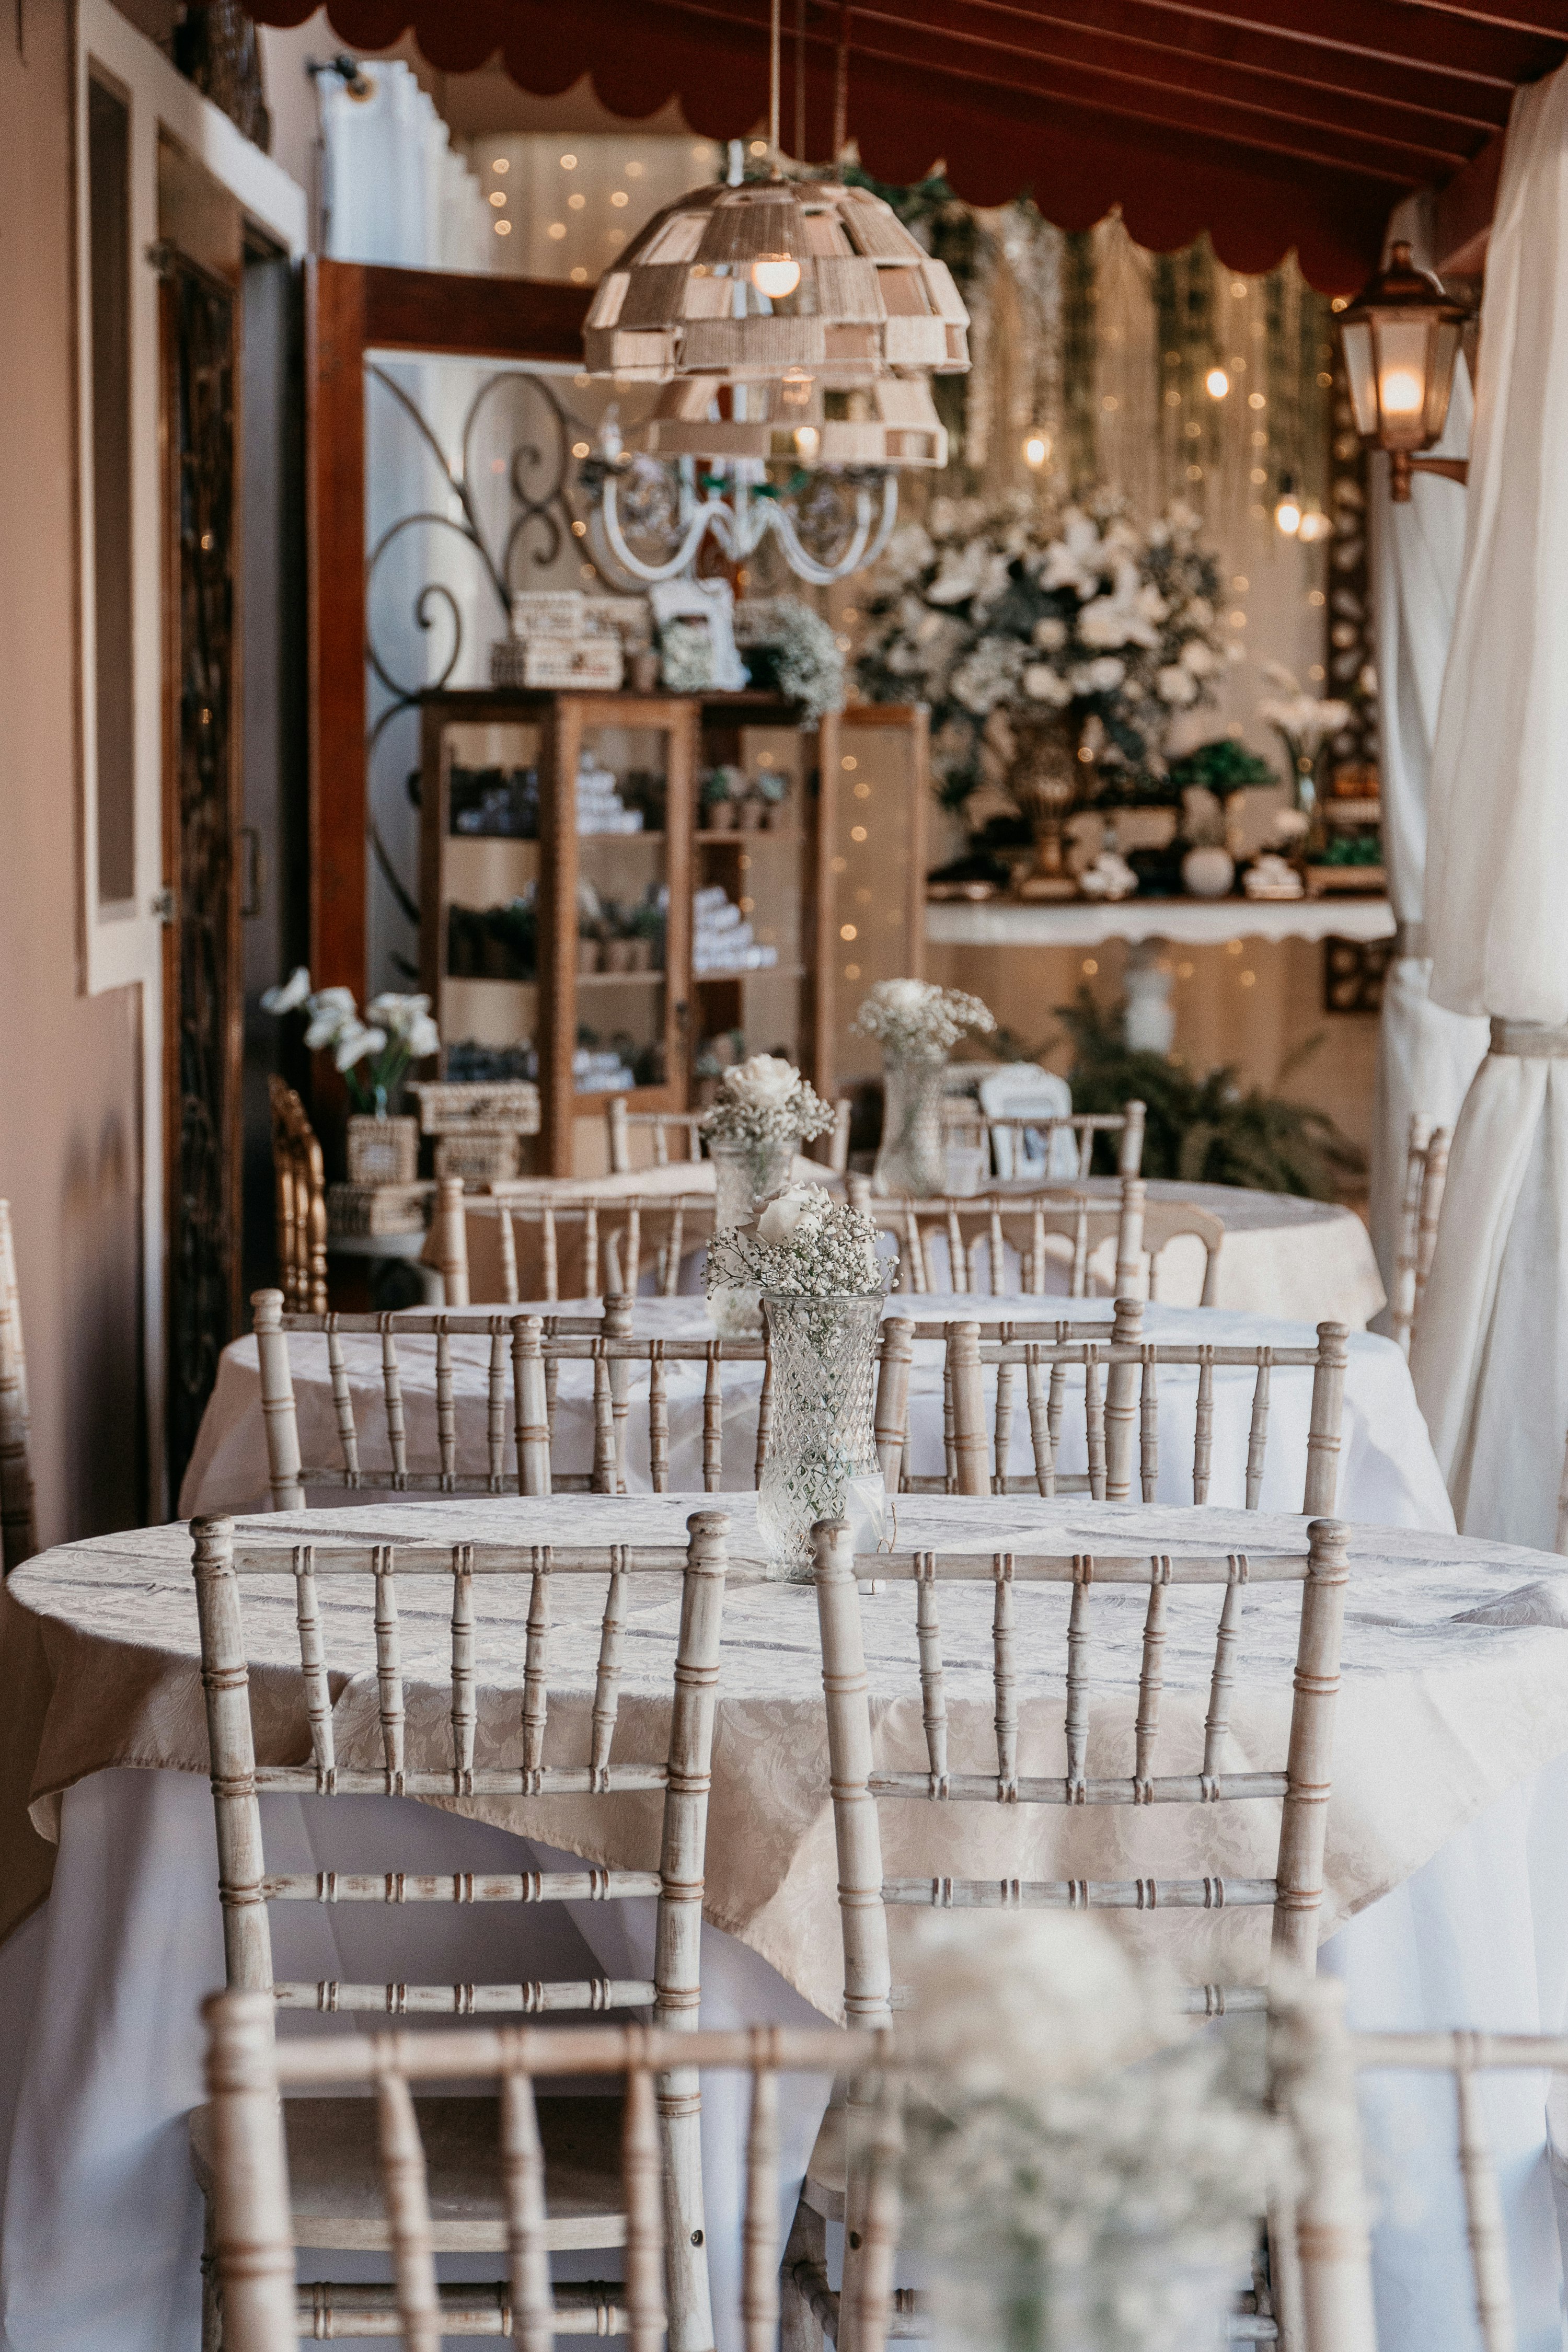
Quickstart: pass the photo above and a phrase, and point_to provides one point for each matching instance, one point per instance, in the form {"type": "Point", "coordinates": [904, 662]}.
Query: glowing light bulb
{"type": "Point", "coordinates": [1037, 448]}
{"type": "Point", "coordinates": [1314, 525]}
{"type": "Point", "coordinates": [806, 439]}
{"type": "Point", "coordinates": [1401, 391]}
{"type": "Point", "coordinates": [1216, 384]}
{"type": "Point", "coordinates": [1287, 515]}
{"type": "Point", "coordinates": [775, 275]}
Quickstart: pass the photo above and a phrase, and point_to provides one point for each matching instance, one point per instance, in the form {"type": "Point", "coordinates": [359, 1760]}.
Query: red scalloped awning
{"type": "Point", "coordinates": [1271, 123]}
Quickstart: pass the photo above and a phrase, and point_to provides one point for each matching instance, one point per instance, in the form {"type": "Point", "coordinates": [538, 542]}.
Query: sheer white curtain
{"type": "Point", "coordinates": [1491, 1354]}
{"type": "Point", "coordinates": [1426, 1055]}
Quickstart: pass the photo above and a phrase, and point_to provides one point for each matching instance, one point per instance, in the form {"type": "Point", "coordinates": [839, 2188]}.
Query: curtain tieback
{"type": "Point", "coordinates": [1529, 1040]}
{"type": "Point", "coordinates": [1410, 939]}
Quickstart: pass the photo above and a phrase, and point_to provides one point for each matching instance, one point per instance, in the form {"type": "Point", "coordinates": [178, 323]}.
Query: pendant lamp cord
{"type": "Point", "coordinates": [841, 91]}
{"type": "Point", "coordinates": [774, 80]}
{"type": "Point", "coordinates": [800, 81]}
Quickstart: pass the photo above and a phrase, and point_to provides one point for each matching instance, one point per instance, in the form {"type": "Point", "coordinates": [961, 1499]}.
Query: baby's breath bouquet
{"type": "Point", "coordinates": [813, 1260]}
{"type": "Point", "coordinates": [766, 1100]}
{"type": "Point", "coordinates": [805, 1245]}
{"type": "Point", "coordinates": [918, 1025]}
{"type": "Point", "coordinates": [916, 1016]}
{"type": "Point", "coordinates": [1097, 2187]}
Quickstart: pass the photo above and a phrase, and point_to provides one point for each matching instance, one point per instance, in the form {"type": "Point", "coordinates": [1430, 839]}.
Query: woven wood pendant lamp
{"type": "Point", "coordinates": [785, 320]}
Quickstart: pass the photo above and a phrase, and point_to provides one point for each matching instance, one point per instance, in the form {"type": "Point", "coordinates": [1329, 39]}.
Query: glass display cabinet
{"type": "Point", "coordinates": [622, 894]}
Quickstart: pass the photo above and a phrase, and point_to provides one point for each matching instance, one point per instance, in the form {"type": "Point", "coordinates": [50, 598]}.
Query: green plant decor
{"type": "Point", "coordinates": [1202, 1130]}
{"type": "Point", "coordinates": [1221, 766]}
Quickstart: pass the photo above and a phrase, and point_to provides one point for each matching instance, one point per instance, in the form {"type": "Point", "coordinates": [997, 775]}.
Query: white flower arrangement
{"type": "Point", "coordinates": [810, 663]}
{"type": "Point", "coordinates": [916, 1016]}
{"type": "Point", "coordinates": [806, 1244]}
{"type": "Point", "coordinates": [985, 610]}
{"type": "Point", "coordinates": [766, 1100]}
{"type": "Point", "coordinates": [1114, 2163]}
{"type": "Point", "coordinates": [375, 1054]}
{"type": "Point", "coordinates": [1303, 722]}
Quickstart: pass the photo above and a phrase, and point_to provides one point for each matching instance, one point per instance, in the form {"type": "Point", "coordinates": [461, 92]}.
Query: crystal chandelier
{"type": "Point", "coordinates": [791, 328]}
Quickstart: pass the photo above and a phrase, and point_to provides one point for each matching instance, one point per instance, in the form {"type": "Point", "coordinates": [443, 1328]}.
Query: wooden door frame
{"type": "Point", "coordinates": [352, 309]}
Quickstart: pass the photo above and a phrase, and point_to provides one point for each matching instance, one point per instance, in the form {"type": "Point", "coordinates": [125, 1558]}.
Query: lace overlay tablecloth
{"type": "Point", "coordinates": [1455, 1690]}
{"type": "Point", "coordinates": [1388, 1471]}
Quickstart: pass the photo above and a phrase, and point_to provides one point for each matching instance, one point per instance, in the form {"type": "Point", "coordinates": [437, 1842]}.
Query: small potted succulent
{"type": "Point", "coordinates": [721, 789]}
{"type": "Point", "coordinates": [774, 794]}
{"type": "Point", "coordinates": [375, 1054]}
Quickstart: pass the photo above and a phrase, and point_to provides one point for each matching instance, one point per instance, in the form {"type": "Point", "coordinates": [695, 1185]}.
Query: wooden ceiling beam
{"type": "Point", "coordinates": [1444, 138]}
{"type": "Point", "coordinates": [1401, 31]}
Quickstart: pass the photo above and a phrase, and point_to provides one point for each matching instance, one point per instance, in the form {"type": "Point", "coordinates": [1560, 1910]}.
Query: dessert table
{"type": "Point", "coordinates": [1446, 1893]}
{"type": "Point", "coordinates": [1388, 1471]}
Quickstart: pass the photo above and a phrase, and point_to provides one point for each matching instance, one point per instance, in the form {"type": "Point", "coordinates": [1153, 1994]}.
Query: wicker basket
{"type": "Point", "coordinates": [1345, 881]}
{"type": "Point", "coordinates": [354, 1210]}
{"type": "Point", "coordinates": [597, 662]}
{"type": "Point", "coordinates": [477, 1106]}
{"type": "Point", "coordinates": [479, 1158]}
{"type": "Point", "coordinates": [383, 1150]}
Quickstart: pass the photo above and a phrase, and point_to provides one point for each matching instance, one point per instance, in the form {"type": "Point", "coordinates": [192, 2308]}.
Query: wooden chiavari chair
{"type": "Point", "coordinates": [1120, 1389]}
{"type": "Point", "coordinates": [332, 2161]}
{"type": "Point", "coordinates": [523, 1363]}
{"type": "Point", "coordinates": [659, 1125]}
{"type": "Point", "coordinates": [1316, 2060]}
{"type": "Point", "coordinates": [19, 1529]}
{"type": "Point", "coordinates": [588, 1244]}
{"type": "Point", "coordinates": [996, 1245]}
{"type": "Point", "coordinates": [1293, 1894]}
{"type": "Point", "coordinates": [862, 1787]}
{"type": "Point", "coordinates": [265, 2311]}
{"type": "Point", "coordinates": [300, 1190]}
{"type": "Point", "coordinates": [523, 1379]}
{"type": "Point", "coordinates": [1426, 1175]}
{"type": "Point", "coordinates": [1005, 1138]}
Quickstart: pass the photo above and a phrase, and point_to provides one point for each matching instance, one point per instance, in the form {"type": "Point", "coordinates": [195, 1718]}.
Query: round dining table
{"type": "Point", "coordinates": [1446, 1872]}
{"type": "Point", "coordinates": [1388, 1472]}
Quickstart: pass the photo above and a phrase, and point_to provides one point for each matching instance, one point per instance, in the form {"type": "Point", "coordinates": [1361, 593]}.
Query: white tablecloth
{"type": "Point", "coordinates": [1453, 1739]}
{"type": "Point", "coordinates": [1389, 1475]}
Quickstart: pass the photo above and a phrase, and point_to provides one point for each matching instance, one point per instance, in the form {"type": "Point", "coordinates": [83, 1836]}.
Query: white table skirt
{"type": "Point", "coordinates": [101, 2234]}
{"type": "Point", "coordinates": [1389, 1475]}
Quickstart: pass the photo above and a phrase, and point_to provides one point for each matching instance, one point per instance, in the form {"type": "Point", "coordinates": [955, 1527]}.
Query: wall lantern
{"type": "Point", "coordinates": [1401, 338]}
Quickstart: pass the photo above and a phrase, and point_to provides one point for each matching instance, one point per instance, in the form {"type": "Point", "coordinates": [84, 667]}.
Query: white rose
{"type": "Point", "coordinates": [803, 1205]}
{"type": "Point", "coordinates": [762, 1081]}
{"type": "Point", "coordinates": [1177, 687]}
{"type": "Point", "coordinates": [1199, 658]}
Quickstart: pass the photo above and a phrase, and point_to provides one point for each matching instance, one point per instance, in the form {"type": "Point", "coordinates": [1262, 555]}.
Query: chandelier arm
{"type": "Point", "coordinates": [608, 514]}
{"type": "Point", "coordinates": [863, 547]}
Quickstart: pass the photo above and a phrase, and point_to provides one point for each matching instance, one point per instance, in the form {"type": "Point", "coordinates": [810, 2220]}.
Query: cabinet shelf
{"type": "Point", "coordinates": [674, 1009]}
{"type": "Point", "coordinates": [736, 837]}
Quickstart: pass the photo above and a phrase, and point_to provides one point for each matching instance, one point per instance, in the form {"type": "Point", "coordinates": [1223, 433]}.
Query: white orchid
{"type": "Point", "coordinates": [1076, 560]}
{"type": "Point", "coordinates": [289, 994]}
{"type": "Point", "coordinates": [354, 1041]}
{"type": "Point", "coordinates": [330, 1010]}
{"type": "Point", "coordinates": [394, 1032]}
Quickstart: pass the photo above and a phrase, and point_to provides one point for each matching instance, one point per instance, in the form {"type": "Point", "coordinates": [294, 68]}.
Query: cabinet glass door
{"type": "Point", "coordinates": [487, 933]}
{"type": "Point", "coordinates": [620, 863]}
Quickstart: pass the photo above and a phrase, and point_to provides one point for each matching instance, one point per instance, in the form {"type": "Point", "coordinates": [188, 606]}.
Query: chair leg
{"type": "Point", "coordinates": [212, 2295]}
{"type": "Point", "coordinates": [804, 2291]}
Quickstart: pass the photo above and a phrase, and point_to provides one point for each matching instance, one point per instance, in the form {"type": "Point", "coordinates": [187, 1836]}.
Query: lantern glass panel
{"type": "Point", "coordinates": [1360, 374]}
{"type": "Point", "coordinates": [1446, 340]}
{"type": "Point", "coordinates": [1404, 366]}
